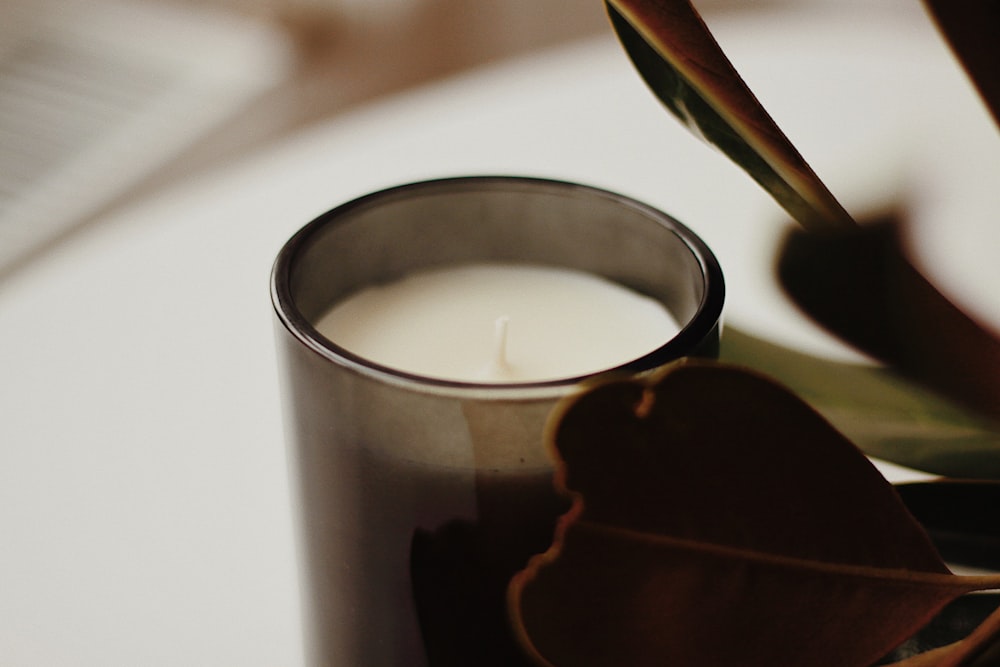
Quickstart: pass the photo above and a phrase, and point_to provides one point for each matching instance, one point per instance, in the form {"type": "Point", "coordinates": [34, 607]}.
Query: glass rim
{"type": "Point", "coordinates": [693, 332]}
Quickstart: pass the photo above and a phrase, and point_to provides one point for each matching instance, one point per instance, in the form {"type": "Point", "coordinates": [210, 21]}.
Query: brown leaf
{"type": "Point", "coordinates": [959, 517]}
{"type": "Point", "coordinates": [685, 68]}
{"type": "Point", "coordinates": [971, 28]}
{"type": "Point", "coordinates": [718, 520]}
{"type": "Point", "coordinates": [980, 649]}
{"type": "Point", "coordinates": [955, 622]}
{"type": "Point", "coordinates": [860, 285]}
{"type": "Point", "coordinates": [929, 659]}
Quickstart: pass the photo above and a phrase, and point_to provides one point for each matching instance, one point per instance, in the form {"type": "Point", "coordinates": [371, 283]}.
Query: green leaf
{"type": "Point", "coordinates": [882, 413]}
{"type": "Point", "coordinates": [685, 68]}
{"type": "Point", "coordinates": [718, 520]}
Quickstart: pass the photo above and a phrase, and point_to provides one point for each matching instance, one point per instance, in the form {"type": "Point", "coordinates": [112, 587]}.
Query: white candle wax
{"type": "Point", "coordinates": [499, 323]}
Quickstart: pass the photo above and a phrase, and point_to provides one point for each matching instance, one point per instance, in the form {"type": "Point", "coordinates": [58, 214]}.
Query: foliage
{"type": "Point", "coordinates": [719, 519]}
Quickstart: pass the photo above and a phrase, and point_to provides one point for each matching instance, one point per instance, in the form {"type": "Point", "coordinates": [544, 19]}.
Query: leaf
{"type": "Point", "coordinates": [979, 649]}
{"type": "Point", "coordinates": [685, 68]}
{"type": "Point", "coordinates": [882, 413]}
{"type": "Point", "coordinates": [960, 517]}
{"type": "Point", "coordinates": [957, 621]}
{"type": "Point", "coordinates": [971, 29]}
{"type": "Point", "coordinates": [929, 659]}
{"type": "Point", "coordinates": [718, 520]}
{"type": "Point", "coordinates": [860, 286]}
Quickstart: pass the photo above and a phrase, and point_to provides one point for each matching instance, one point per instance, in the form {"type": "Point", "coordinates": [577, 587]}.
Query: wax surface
{"type": "Point", "coordinates": [499, 323]}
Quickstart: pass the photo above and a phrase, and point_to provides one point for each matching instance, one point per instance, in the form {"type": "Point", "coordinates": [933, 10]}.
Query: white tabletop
{"type": "Point", "coordinates": [144, 510]}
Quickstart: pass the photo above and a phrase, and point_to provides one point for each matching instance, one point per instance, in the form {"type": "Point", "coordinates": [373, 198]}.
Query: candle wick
{"type": "Point", "coordinates": [500, 342]}
{"type": "Point", "coordinates": [498, 368]}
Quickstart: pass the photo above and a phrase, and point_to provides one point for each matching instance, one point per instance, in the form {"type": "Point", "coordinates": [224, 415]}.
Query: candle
{"type": "Point", "coordinates": [499, 323]}
{"type": "Point", "coordinates": [419, 497]}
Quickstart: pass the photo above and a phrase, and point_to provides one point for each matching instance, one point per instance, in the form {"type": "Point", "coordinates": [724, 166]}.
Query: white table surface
{"type": "Point", "coordinates": [144, 510]}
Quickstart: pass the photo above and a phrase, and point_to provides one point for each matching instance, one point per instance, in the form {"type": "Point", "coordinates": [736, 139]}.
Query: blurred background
{"type": "Point", "coordinates": [104, 100]}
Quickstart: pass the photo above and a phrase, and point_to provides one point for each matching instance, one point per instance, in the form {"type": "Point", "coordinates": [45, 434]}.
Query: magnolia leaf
{"type": "Point", "coordinates": [942, 637]}
{"type": "Point", "coordinates": [860, 286]}
{"type": "Point", "coordinates": [718, 520]}
{"type": "Point", "coordinates": [971, 30]}
{"type": "Point", "coordinates": [980, 649]}
{"type": "Point", "coordinates": [685, 68]}
{"type": "Point", "coordinates": [961, 518]}
{"type": "Point", "coordinates": [931, 658]}
{"type": "Point", "coordinates": [883, 414]}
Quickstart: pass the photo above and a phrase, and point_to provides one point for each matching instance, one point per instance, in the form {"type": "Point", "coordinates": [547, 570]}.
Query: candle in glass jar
{"type": "Point", "coordinates": [499, 323]}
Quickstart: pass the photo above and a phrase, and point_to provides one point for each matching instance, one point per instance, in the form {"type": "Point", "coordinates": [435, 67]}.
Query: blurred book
{"type": "Point", "coordinates": [97, 95]}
